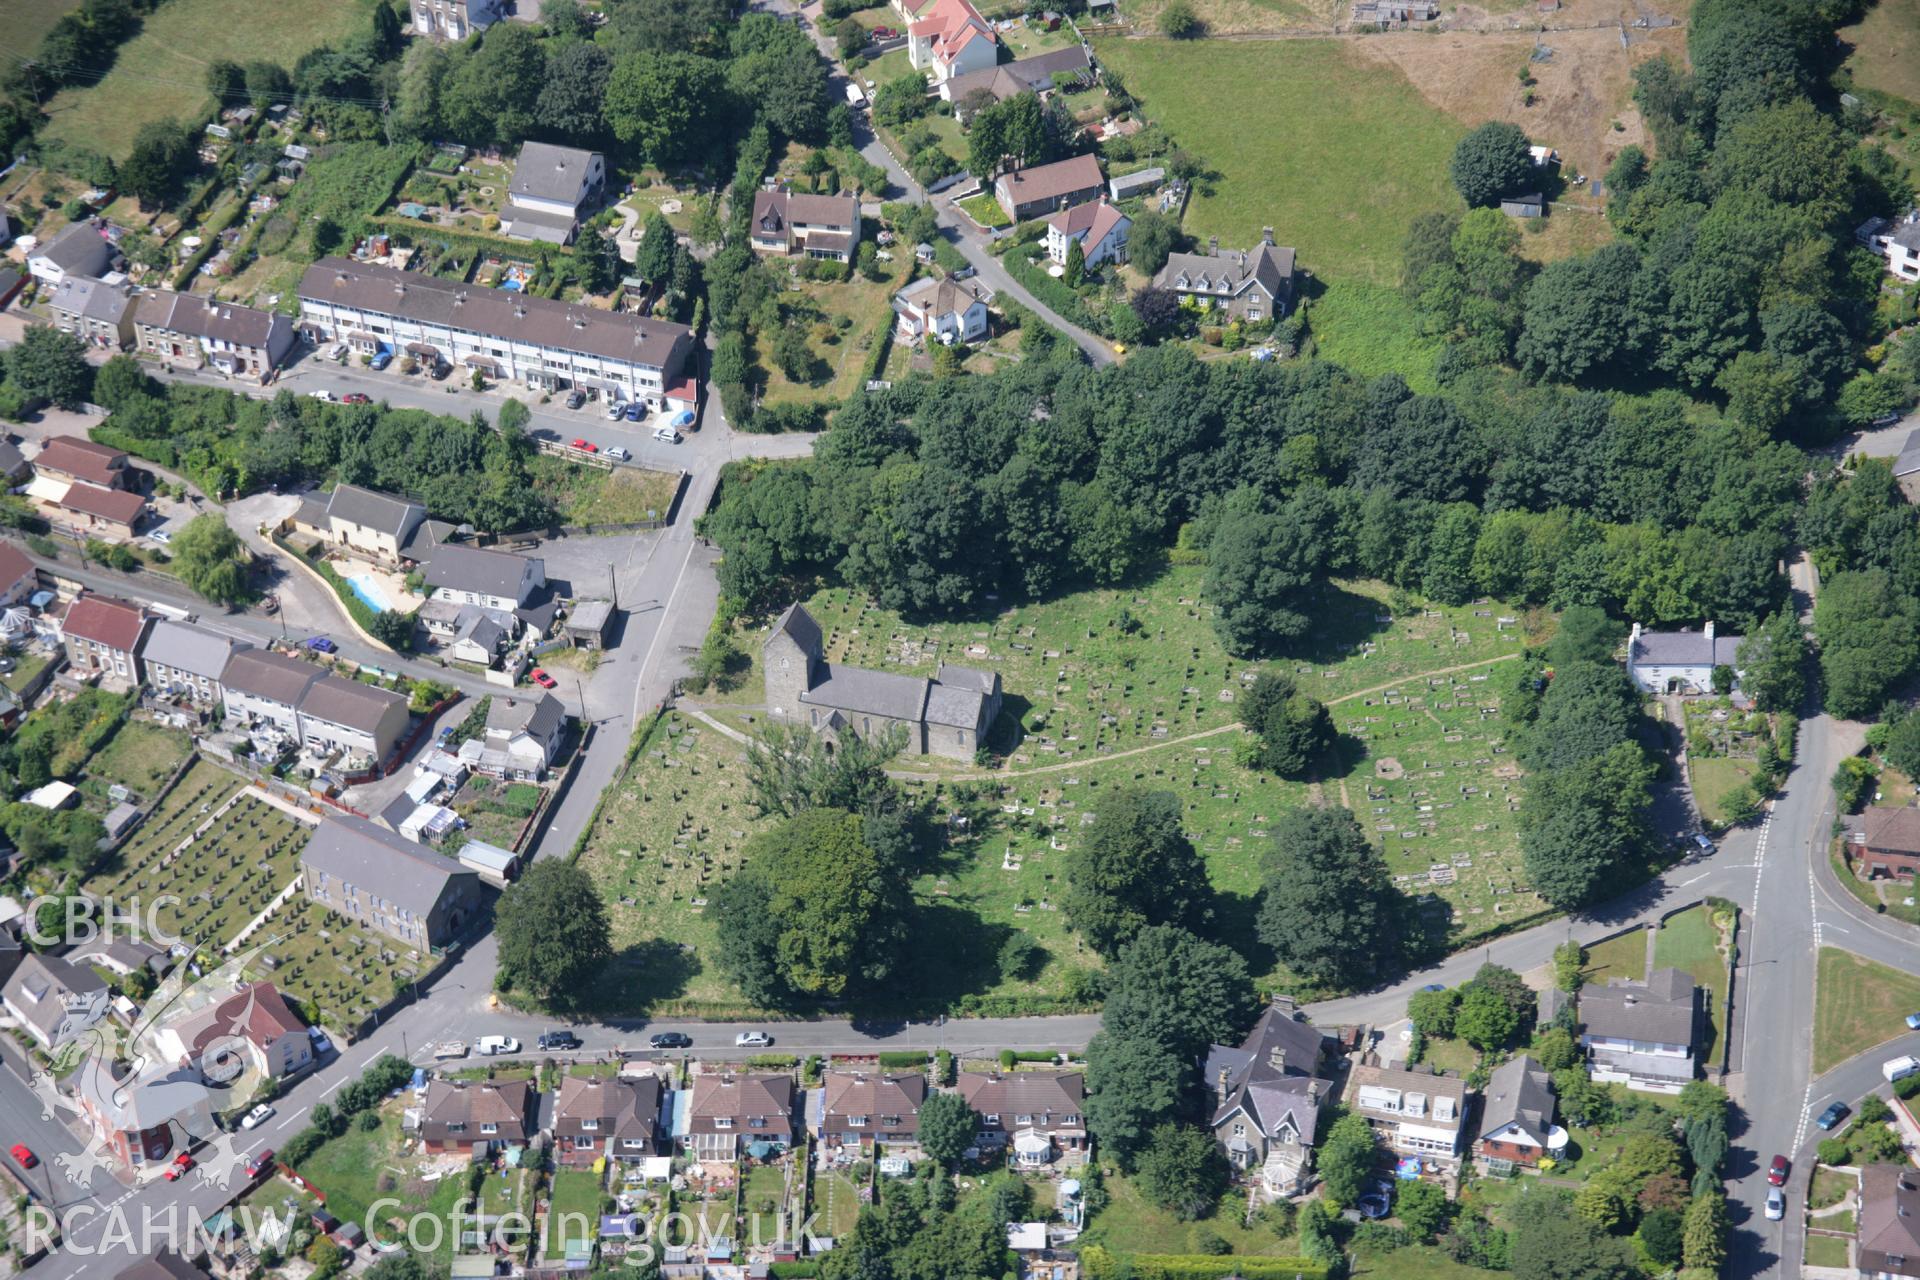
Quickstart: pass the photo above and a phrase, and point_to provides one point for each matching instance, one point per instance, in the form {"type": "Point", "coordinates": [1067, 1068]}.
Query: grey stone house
{"type": "Point", "coordinates": [379, 879]}
{"type": "Point", "coordinates": [1255, 285]}
{"type": "Point", "coordinates": [1268, 1093]}
{"type": "Point", "coordinates": [948, 715]}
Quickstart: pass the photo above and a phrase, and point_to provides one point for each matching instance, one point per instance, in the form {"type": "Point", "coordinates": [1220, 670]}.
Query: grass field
{"type": "Point", "coordinates": [1371, 329]}
{"type": "Point", "coordinates": [225, 877]}
{"type": "Point", "coordinates": [1691, 941]}
{"type": "Point", "coordinates": [1714, 779]}
{"type": "Point", "coordinates": [141, 756]}
{"type": "Point", "coordinates": [1416, 1262]}
{"type": "Point", "coordinates": [1857, 1005]}
{"type": "Point", "coordinates": [1621, 957]}
{"type": "Point", "coordinates": [1130, 1224]}
{"type": "Point", "coordinates": [162, 71]}
{"type": "Point", "coordinates": [1827, 1251]}
{"type": "Point", "coordinates": [574, 1214]}
{"type": "Point", "coordinates": [1346, 219]}
{"type": "Point", "coordinates": [587, 495]}
{"type": "Point", "coordinates": [1886, 49]}
{"type": "Point", "coordinates": [24, 23]}
{"type": "Point", "coordinates": [840, 320]}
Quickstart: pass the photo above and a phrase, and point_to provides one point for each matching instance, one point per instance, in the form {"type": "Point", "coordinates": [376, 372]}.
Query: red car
{"type": "Point", "coordinates": [260, 1163]}
{"type": "Point", "coordinates": [1777, 1171]}
{"type": "Point", "coordinates": [542, 679]}
{"type": "Point", "coordinates": [181, 1163]}
{"type": "Point", "coordinates": [25, 1157]}
{"type": "Point", "coordinates": [586, 446]}
{"type": "Point", "coordinates": [356, 397]}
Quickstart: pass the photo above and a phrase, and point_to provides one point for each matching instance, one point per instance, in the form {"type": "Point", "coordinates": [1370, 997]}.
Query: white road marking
{"type": "Point", "coordinates": [284, 1123]}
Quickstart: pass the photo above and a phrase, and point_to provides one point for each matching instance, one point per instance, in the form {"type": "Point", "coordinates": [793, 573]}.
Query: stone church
{"type": "Point", "coordinates": [948, 715]}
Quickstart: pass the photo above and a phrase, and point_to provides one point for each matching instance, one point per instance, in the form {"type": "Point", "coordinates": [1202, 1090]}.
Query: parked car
{"type": "Point", "coordinates": [260, 1163]}
{"type": "Point", "coordinates": [1913, 1022]}
{"type": "Point", "coordinates": [576, 398]}
{"type": "Point", "coordinates": [585, 446]}
{"type": "Point", "coordinates": [615, 411]}
{"type": "Point", "coordinates": [672, 1040]}
{"type": "Point", "coordinates": [1702, 843]}
{"type": "Point", "coordinates": [752, 1040]}
{"type": "Point", "coordinates": [559, 1040]}
{"type": "Point", "coordinates": [176, 1170]}
{"type": "Point", "coordinates": [1884, 420]}
{"type": "Point", "coordinates": [618, 454]}
{"type": "Point", "coordinates": [1899, 1068]}
{"type": "Point", "coordinates": [1833, 1115]}
{"type": "Point", "coordinates": [23, 1156]}
{"type": "Point", "coordinates": [1778, 1170]}
{"type": "Point", "coordinates": [162, 537]}
{"type": "Point", "coordinates": [320, 644]}
{"type": "Point", "coordinates": [320, 1042]}
{"type": "Point", "coordinates": [257, 1117]}
{"type": "Point", "coordinates": [1776, 1205]}
{"type": "Point", "coordinates": [541, 678]}
{"type": "Point", "coordinates": [666, 435]}
{"type": "Point", "coordinates": [487, 1046]}
{"type": "Point", "coordinates": [356, 397]}
{"type": "Point", "coordinates": [381, 360]}
{"type": "Point", "coordinates": [636, 410]}
{"type": "Point", "coordinates": [321, 395]}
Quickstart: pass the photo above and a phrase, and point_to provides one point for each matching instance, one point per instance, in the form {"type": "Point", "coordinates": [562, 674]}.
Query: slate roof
{"type": "Point", "coordinates": [528, 222]}
{"type": "Point", "coordinates": [1661, 1010]}
{"type": "Point", "coordinates": [199, 317]}
{"type": "Point", "coordinates": [797, 623]}
{"type": "Point", "coordinates": [373, 858]}
{"type": "Point", "coordinates": [1909, 460]}
{"type": "Point", "coordinates": [1229, 272]}
{"type": "Point", "coordinates": [1519, 1092]}
{"type": "Point", "coordinates": [1051, 181]}
{"type": "Point", "coordinates": [502, 1103]}
{"type": "Point", "coordinates": [1684, 649]}
{"type": "Point", "coordinates": [540, 718]}
{"type": "Point", "coordinates": [1890, 828]}
{"type": "Point", "coordinates": [462, 568]}
{"type": "Point", "coordinates": [1889, 1241]}
{"type": "Point", "coordinates": [761, 1107]}
{"type": "Point", "coordinates": [371, 509]}
{"type": "Point", "coordinates": [92, 299]}
{"type": "Point", "coordinates": [627, 1108]}
{"type": "Point", "coordinates": [886, 1101]}
{"type": "Point", "coordinates": [165, 1265]}
{"type": "Point", "coordinates": [348, 702]}
{"type": "Point", "coordinates": [11, 459]}
{"type": "Point", "coordinates": [542, 321]}
{"type": "Point", "coordinates": [546, 172]}
{"type": "Point", "coordinates": [50, 979]}
{"type": "Point", "coordinates": [82, 459]}
{"type": "Point", "coordinates": [107, 620]}
{"type": "Point", "coordinates": [866, 692]}
{"type": "Point", "coordinates": [954, 708]}
{"type": "Point", "coordinates": [189, 648]}
{"type": "Point", "coordinates": [1908, 236]}
{"type": "Point", "coordinates": [1298, 1046]}
{"type": "Point", "coordinates": [272, 676]}
{"type": "Point", "coordinates": [116, 505]}
{"type": "Point", "coordinates": [80, 249]}
{"type": "Point", "coordinates": [1025, 75]}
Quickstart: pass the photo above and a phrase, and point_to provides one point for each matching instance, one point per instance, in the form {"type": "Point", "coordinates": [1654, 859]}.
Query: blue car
{"type": "Point", "coordinates": [320, 644]}
{"type": "Point", "coordinates": [1913, 1022]}
{"type": "Point", "coordinates": [381, 361]}
{"type": "Point", "coordinates": [636, 410]}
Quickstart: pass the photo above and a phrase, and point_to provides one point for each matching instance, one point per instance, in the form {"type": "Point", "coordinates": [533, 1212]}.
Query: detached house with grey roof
{"type": "Point", "coordinates": [522, 737]}
{"type": "Point", "coordinates": [458, 574]}
{"type": "Point", "coordinates": [1516, 1115]}
{"type": "Point", "coordinates": [54, 1000]}
{"type": "Point", "coordinates": [1253, 285]}
{"type": "Point", "coordinates": [364, 521]}
{"type": "Point", "coordinates": [791, 223]}
{"type": "Point", "coordinates": [1642, 1034]}
{"type": "Point", "coordinates": [79, 250]}
{"type": "Point", "coordinates": [947, 715]}
{"type": "Point", "coordinates": [1268, 1094]}
{"type": "Point", "coordinates": [185, 661]}
{"type": "Point", "coordinates": [1680, 661]}
{"type": "Point", "coordinates": [376, 878]}
{"type": "Point", "coordinates": [550, 186]}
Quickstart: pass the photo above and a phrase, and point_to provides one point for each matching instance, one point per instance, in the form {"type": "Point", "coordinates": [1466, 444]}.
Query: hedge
{"type": "Point", "coordinates": [905, 1059]}
{"type": "Point", "coordinates": [1052, 293]}
{"type": "Point", "coordinates": [794, 1270]}
{"type": "Point", "coordinates": [1200, 1266]}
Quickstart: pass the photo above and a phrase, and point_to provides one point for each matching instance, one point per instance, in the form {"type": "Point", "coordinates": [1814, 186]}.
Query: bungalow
{"type": "Point", "coordinates": [364, 521]}
{"type": "Point", "coordinates": [263, 688]}
{"type": "Point", "coordinates": [103, 635]}
{"type": "Point", "coordinates": [98, 313]}
{"type": "Point", "coordinates": [1886, 841]}
{"type": "Point", "coordinates": [522, 737]}
{"type": "Point", "coordinates": [1680, 661]}
{"type": "Point", "coordinates": [340, 715]}
{"type": "Point", "coordinates": [375, 877]}
{"type": "Point", "coordinates": [18, 578]}
{"type": "Point", "coordinates": [859, 1108]}
{"type": "Point", "coordinates": [185, 661]}
{"type": "Point", "coordinates": [93, 512]}
{"type": "Point", "coordinates": [790, 223]}
{"type": "Point", "coordinates": [74, 458]}
{"type": "Point", "coordinates": [1268, 1093]}
{"type": "Point", "coordinates": [1516, 1117]}
{"type": "Point", "coordinates": [1642, 1034]}
{"type": "Point", "coordinates": [79, 250]}
{"type": "Point", "coordinates": [53, 1000]}
{"type": "Point", "coordinates": [1041, 1113]}
{"type": "Point", "coordinates": [1413, 1112]}
{"type": "Point", "coordinates": [1028, 193]}
{"type": "Point", "coordinates": [606, 1119]}
{"type": "Point", "coordinates": [727, 1110]}
{"type": "Point", "coordinates": [1255, 286]}
{"type": "Point", "coordinates": [476, 1119]}
{"type": "Point", "coordinates": [1100, 229]}
{"type": "Point", "coordinates": [1038, 75]}
{"type": "Point", "coordinates": [550, 187]}
{"type": "Point", "coordinates": [946, 310]}
{"type": "Point", "coordinates": [250, 1030]}
{"type": "Point", "coordinates": [187, 329]}
{"type": "Point", "coordinates": [949, 39]}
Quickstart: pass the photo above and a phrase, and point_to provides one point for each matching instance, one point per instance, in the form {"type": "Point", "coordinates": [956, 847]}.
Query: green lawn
{"type": "Point", "coordinates": [837, 1201]}
{"type": "Point", "coordinates": [1857, 1005]}
{"type": "Point", "coordinates": [1621, 957]}
{"type": "Point", "coordinates": [1714, 778]}
{"type": "Point", "coordinates": [574, 1214]}
{"type": "Point", "coordinates": [1129, 1224]}
{"type": "Point", "coordinates": [162, 71]}
{"type": "Point", "coordinates": [1830, 1188]}
{"type": "Point", "coordinates": [1826, 1251]}
{"type": "Point", "coordinates": [1691, 941]}
{"type": "Point", "coordinates": [24, 23]}
{"type": "Point", "coordinates": [1359, 154]}
{"type": "Point", "coordinates": [986, 210]}
{"type": "Point", "coordinates": [1416, 1262]}
{"type": "Point", "coordinates": [841, 320]}
{"type": "Point", "coordinates": [141, 756]}
{"type": "Point", "coordinates": [1886, 48]}
{"type": "Point", "coordinates": [32, 663]}
{"type": "Point", "coordinates": [348, 1168]}
{"type": "Point", "coordinates": [1448, 1054]}
{"type": "Point", "coordinates": [587, 495]}
{"type": "Point", "coordinates": [1370, 329]}
{"type": "Point", "coordinates": [766, 1192]}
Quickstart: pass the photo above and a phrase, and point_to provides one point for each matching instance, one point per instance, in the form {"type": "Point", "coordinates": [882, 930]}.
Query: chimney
{"type": "Point", "coordinates": [1220, 1089]}
{"type": "Point", "coordinates": [1213, 246]}
{"type": "Point", "coordinates": [1278, 1059]}
{"type": "Point", "coordinates": [1266, 235]}
{"type": "Point", "coordinates": [1709, 634]}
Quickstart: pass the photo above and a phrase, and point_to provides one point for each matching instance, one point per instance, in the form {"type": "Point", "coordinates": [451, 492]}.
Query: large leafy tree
{"type": "Point", "coordinates": [568, 108]}
{"type": "Point", "coordinates": [1132, 868]}
{"type": "Point", "coordinates": [552, 931]}
{"type": "Point", "coordinates": [655, 102]}
{"type": "Point", "coordinates": [1587, 709]}
{"type": "Point", "coordinates": [791, 769]}
{"type": "Point", "coordinates": [1869, 633]}
{"type": "Point", "coordinates": [50, 365]}
{"type": "Point", "coordinates": [1346, 1159]}
{"type": "Point", "coordinates": [1182, 1171]}
{"type": "Point", "coordinates": [1328, 907]}
{"type": "Point", "coordinates": [947, 1127]}
{"type": "Point", "coordinates": [1179, 991]}
{"type": "Point", "coordinates": [1550, 1242]}
{"type": "Point", "coordinates": [1774, 658]}
{"type": "Point", "coordinates": [1490, 162]}
{"type": "Point", "coordinates": [1263, 571]}
{"type": "Point", "coordinates": [162, 152]}
{"type": "Point", "coordinates": [1292, 730]}
{"type": "Point", "coordinates": [1582, 826]}
{"type": "Point", "coordinates": [1134, 1084]}
{"type": "Point", "coordinates": [209, 557]}
{"type": "Point", "coordinates": [493, 95]}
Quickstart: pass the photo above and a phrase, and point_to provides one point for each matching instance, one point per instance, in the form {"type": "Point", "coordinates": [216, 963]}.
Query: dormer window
{"type": "Point", "coordinates": [992, 1119]}
{"type": "Point", "coordinates": [1026, 1119]}
{"type": "Point", "coordinates": [489, 1127]}
{"type": "Point", "coordinates": [589, 1124]}
{"type": "Point", "coordinates": [858, 1122]}
{"type": "Point", "coordinates": [723, 1122]}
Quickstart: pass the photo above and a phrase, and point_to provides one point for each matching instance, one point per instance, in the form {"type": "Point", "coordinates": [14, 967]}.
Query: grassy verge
{"type": "Point", "coordinates": [1714, 779]}
{"type": "Point", "coordinates": [986, 211]}
{"type": "Point", "coordinates": [1826, 1251]}
{"type": "Point", "coordinates": [1621, 957]}
{"type": "Point", "coordinates": [1691, 941]}
{"type": "Point", "coordinates": [1857, 1005]}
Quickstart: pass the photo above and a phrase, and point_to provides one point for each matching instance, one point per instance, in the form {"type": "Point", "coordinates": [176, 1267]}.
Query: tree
{"type": "Point", "coordinates": [565, 18]}
{"type": "Point", "coordinates": [1076, 264]}
{"type": "Point", "coordinates": [1293, 729]}
{"type": "Point", "coordinates": [1484, 1019]}
{"type": "Point", "coordinates": [1554, 1049]}
{"type": "Point", "coordinates": [1774, 658]}
{"type": "Point", "coordinates": [121, 382]}
{"type": "Point", "coordinates": [227, 82]}
{"type": "Point", "coordinates": [1588, 710]}
{"type": "Point", "coordinates": [1704, 1233]}
{"type": "Point", "coordinates": [1132, 868]}
{"type": "Point", "coordinates": [947, 1126]}
{"type": "Point", "coordinates": [1172, 988]}
{"type": "Point", "coordinates": [1581, 827]}
{"type": "Point", "coordinates": [268, 84]}
{"type": "Point", "coordinates": [551, 927]}
{"type": "Point", "coordinates": [1551, 1243]}
{"type": "Point", "coordinates": [210, 558]}
{"type": "Point", "coordinates": [1659, 1235]}
{"type": "Point", "coordinates": [162, 151]}
{"type": "Point", "coordinates": [1346, 1159]}
{"type": "Point", "coordinates": [1432, 1011]}
{"type": "Point", "coordinates": [1569, 959]}
{"type": "Point", "coordinates": [1150, 239]}
{"type": "Point", "coordinates": [385, 30]}
{"type": "Point", "coordinates": [393, 629]}
{"type": "Point", "coordinates": [653, 102]}
{"type": "Point", "coordinates": [1182, 1171]}
{"type": "Point", "coordinates": [1134, 1083]}
{"type": "Point", "coordinates": [50, 365]}
{"type": "Point", "coordinates": [790, 770]}
{"type": "Point", "coordinates": [1867, 628]}
{"type": "Point", "coordinates": [1328, 907]}
{"type": "Point", "coordinates": [1491, 162]}
{"type": "Point", "coordinates": [836, 913]}
{"type": "Point", "coordinates": [1178, 21]}
{"type": "Point", "coordinates": [1424, 1209]}
{"type": "Point", "coordinates": [599, 262]}
{"type": "Point", "coordinates": [1264, 570]}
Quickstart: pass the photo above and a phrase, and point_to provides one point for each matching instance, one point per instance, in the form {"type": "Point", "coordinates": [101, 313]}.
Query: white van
{"type": "Point", "coordinates": [489, 1045]}
{"type": "Point", "coordinates": [1899, 1068]}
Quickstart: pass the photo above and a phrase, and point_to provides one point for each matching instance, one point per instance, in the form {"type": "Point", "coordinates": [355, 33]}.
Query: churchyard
{"type": "Point", "coordinates": [338, 970]}
{"type": "Point", "coordinates": [1096, 698]}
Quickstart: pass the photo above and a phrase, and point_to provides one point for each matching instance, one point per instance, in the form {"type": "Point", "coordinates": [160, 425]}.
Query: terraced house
{"type": "Point", "coordinates": [185, 661]}
{"type": "Point", "coordinates": [103, 635]}
{"type": "Point", "coordinates": [505, 334]}
{"type": "Point", "coordinates": [189, 331]}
